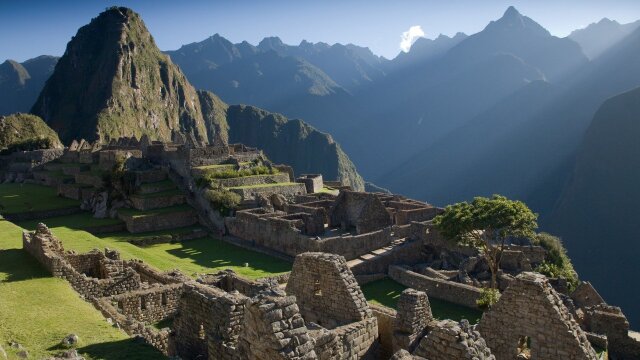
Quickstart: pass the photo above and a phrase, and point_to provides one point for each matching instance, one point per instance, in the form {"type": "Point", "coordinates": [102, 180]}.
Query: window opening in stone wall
{"type": "Point", "coordinates": [524, 348]}
{"type": "Point", "coordinates": [164, 299]}
{"type": "Point", "coordinates": [317, 291]}
{"type": "Point", "coordinates": [143, 304]}
{"type": "Point", "coordinates": [201, 334]}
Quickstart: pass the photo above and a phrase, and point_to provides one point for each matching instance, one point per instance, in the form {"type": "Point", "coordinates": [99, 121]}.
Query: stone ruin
{"type": "Point", "coordinates": [223, 316]}
{"type": "Point", "coordinates": [530, 316]}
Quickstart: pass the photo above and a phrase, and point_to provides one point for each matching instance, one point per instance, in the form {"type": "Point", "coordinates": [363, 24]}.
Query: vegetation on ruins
{"type": "Point", "coordinates": [25, 132]}
{"type": "Point", "coordinates": [224, 200]}
{"type": "Point", "coordinates": [486, 224]}
{"type": "Point", "coordinates": [488, 297]}
{"type": "Point", "coordinates": [557, 263]}
{"type": "Point", "coordinates": [228, 173]}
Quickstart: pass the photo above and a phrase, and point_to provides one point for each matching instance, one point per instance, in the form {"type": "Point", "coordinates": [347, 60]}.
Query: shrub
{"type": "Point", "coordinates": [488, 298]}
{"type": "Point", "coordinates": [223, 200]}
{"type": "Point", "coordinates": [28, 145]}
{"type": "Point", "coordinates": [557, 263]}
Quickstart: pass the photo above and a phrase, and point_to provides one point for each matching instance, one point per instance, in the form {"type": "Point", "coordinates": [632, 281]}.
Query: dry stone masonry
{"type": "Point", "coordinates": [531, 314]}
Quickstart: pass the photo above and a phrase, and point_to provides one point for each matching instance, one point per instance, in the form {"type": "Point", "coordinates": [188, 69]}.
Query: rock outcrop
{"type": "Point", "coordinates": [26, 132]}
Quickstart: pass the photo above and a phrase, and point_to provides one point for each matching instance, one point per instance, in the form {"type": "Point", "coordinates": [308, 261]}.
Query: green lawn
{"type": "Point", "coordinates": [37, 310]}
{"type": "Point", "coordinates": [19, 198]}
{"type": "Point", "coordinates": [386, 292]}
{"type": "Point", "coordinates": [191, 257]}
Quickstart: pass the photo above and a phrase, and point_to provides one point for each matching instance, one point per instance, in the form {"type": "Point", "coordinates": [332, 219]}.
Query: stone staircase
{"type": "Point", "coordinates": [377, 253]}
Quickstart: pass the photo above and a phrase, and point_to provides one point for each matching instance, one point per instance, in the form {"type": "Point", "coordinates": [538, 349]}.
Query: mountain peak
{"type": "Point", "coordinates": [270, 42]}
{"type": "Point", "coordinates": [511, 12]}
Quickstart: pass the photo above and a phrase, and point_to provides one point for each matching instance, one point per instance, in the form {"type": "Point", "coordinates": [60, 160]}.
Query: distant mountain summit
{"type": "Point", "coordinates": [20, 83]}
{"type": "Point", "coordinates": [424, 50]}
{"type": "Point", "coordinates": [113, 81]}
{"type": "Point", "coordinates": [598, 37]}
{"type": "Point", "coordinates": [524, 38]}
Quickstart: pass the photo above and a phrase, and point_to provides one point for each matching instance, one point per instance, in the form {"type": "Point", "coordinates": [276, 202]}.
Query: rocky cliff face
{"type": "Point", "coordinates": [113, 81]}
{"type": "Point", "coordinates": [28, 131]}
{"type": "Point", "coordinates": [292, 142]}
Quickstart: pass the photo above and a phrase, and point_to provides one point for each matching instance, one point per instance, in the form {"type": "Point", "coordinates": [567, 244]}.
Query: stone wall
{"type": "Point", "coordinates": [608, 320]}
{"type": "Point", "coordinates": [449, 340]}
{"type": "Point", "coordinates": [162, 221]}
{"type": "Point", "coordinates": [289, 190]}
{"type": "Point", "coordinates": [312, 182]}
{"type": "Point", "coordinates": [413, 317]}
{"type": "Point", "coordinates": [157, 201]}
{"type": "Point", "coordinates": [253, 180]}
{"type": "Point", "coordinates": [359, 210]}
{"type": "Point", "coordinates": [531, 309]}
{"type": "Point", "coordinates": [275, 231]}
{"type": "Point", "coordinates": [586, 295]}
{"type": "Point", "coordinates": [150, 305]}
{"type": "Point", "coordinates": [208, 322]}
{"type": "Point", "coordinates": [450, 291]}
{"type": "Point", "coordinates": [273, 329]}
{"type": "Point", "coordinates": [326, 290]}
{"type": "Point", "coordinates": [386, 320]}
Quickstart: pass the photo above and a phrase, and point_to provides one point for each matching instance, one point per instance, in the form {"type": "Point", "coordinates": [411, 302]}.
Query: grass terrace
{"type": "Point", "coordinates": [263, 185]}
{"type": "Point", "coordinates": [19, 198]}
{"type": "Point", "coordinates": [203, 255]}
{"type": "Point", "coordinates": [386, 292]}
{"type": "Point", "coordinates": [37, 310]}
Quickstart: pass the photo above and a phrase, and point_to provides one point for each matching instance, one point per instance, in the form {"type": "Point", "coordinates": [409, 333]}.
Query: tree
{"type": "Point", "coordinates": [486, 224]}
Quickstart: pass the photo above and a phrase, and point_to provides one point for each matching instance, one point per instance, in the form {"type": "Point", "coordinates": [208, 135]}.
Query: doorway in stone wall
{"type": "Point", "coordinates": [524, 348]}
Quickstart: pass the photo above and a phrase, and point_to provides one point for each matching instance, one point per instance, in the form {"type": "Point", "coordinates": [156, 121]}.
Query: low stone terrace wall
{"type": "Point", "coordinates": [450, 291]}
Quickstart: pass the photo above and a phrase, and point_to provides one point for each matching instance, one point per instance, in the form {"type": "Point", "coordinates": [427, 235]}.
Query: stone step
{"type": "Point", "coordinates": [158, 219]}
{"type": "Point", "coordinates": [375, 254]}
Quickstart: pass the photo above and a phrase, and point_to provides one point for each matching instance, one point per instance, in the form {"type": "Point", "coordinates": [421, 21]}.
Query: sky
{"type": "Point", "coordinates": [29, 28]}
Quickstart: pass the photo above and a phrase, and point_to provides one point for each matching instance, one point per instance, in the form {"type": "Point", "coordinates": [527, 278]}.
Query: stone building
{"type": "Point", "coordinates": [531, 318]}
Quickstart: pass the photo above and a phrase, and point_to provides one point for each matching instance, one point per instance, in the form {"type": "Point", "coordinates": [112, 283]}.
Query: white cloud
{"type": "Point", "coordinates": [410, 36]}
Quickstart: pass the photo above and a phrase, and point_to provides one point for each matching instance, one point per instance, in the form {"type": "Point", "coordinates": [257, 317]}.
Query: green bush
{"type": "Point", "coordinates": [488, 298]}
{"type": "Point", "coordinates": [232, 173]}
{"type": "Point", "coordinates": [28, 145]}
{"type": "Point", "coordinates": [223, 200]}
{"type": "Point", "coordinates": [557, 263]}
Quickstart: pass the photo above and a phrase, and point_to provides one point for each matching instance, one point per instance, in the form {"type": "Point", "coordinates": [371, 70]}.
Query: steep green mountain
{"type": "Point", "coordinates": [292, 142]}
{"type": "Point", "coordinates": [598, 37]}
{"type": "Point", "coordinates": [26, 132]}
{"type": "Point", "coordinates": [113, 81]}
{"type": "Point", "coordinates": [20, 83]}
{"type": "Point", "coordinates": [597, 211]}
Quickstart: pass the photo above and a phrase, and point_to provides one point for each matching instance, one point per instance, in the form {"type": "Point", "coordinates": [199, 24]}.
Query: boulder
{"type": "Point", "coordinates": [70, 340]}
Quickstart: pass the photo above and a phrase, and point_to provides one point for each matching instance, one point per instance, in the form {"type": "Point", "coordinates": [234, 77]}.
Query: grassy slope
{"type": "Point", "coordinates": [191, 257]}
{"type": "Point", "coordinates": [17, 198]}
{"type": "Point", "coordinates": [37, 310]}
{"type": "Point", "coordinates": [387, 292]}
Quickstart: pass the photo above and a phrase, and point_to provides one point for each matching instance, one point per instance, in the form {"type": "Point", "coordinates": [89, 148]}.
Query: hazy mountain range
{"type": "Point", "coordinates": [507, 110]}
